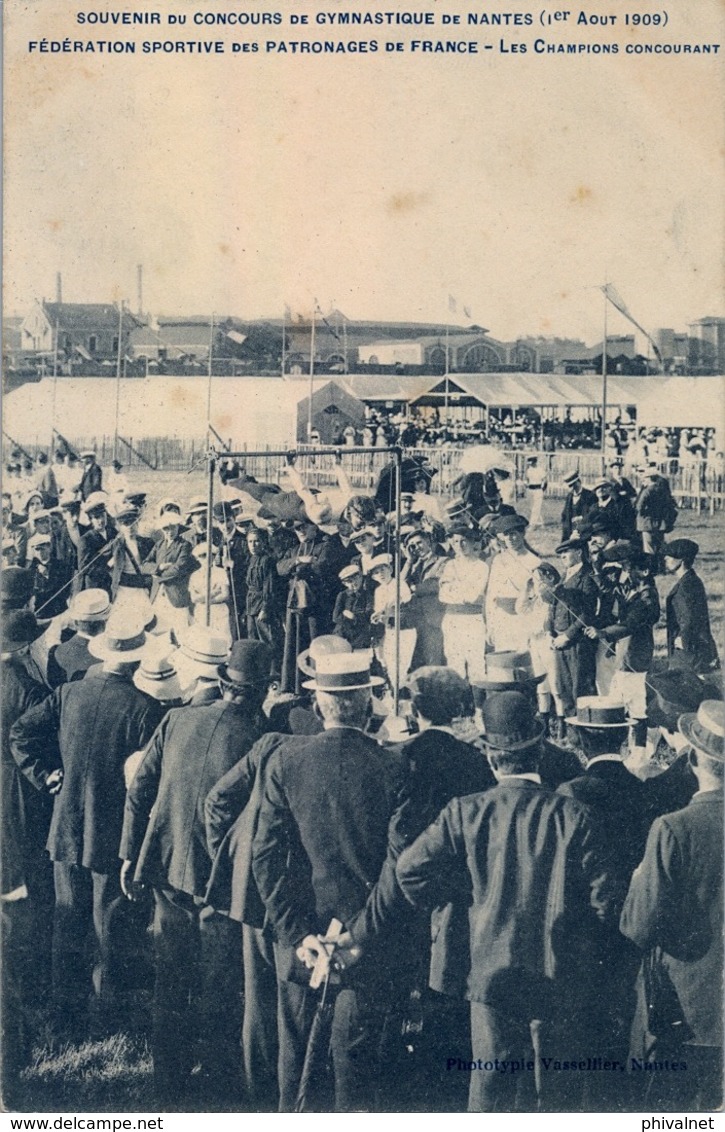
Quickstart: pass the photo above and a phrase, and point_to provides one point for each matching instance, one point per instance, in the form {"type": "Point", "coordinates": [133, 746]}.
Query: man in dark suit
{"type": "Point", "coordinates": [198, 952]}
{"type": "Point", "coordinates": [421, 571]}
{"type": "Point", "coordinates": [311, 570]}
{"type": "Point", "coordinates": [573, 609]}
{"type": "Point", "coordinates": [528, 866]}
{"type": "Point", "coordinates": [577, 505]}
{"type": "Point", "coordinates": [73, 746]}
{"type": "Point", "coordinates": [630, 633]}
{"type": "Point", "coordinates": [688, 620]}
{"type": "Point", "coordinates": [617, 798]}
{"type": "Point", "coordinates": [231, 814]}
{"type": "Point", "coordinates": [92, 478]}
{"type": "Point", "coordinates": [96, 547]}
{"type": "Point", "coordinates": [436, 766]}
{"type": "Point", "coordinates": [319, 848]}
{"type": "Point", "coordinates": [674, 913]}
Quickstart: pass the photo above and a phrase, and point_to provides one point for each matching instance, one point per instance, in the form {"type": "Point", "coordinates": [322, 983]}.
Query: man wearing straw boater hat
{"type": "Point", "coordinates": [537, 897]}
{"type": "Point", "coordinates": [674, 913]}
{"type": "Point", "coordinates": [617, 797]}
{"type": "Point", "coordinates": [73, 747]}
{"type": "Point", "coordinates": [319, 848]}
{"type": "Point", "coordinates": [70, 660]}
{"type": "Point", "coordinates": [198, 952]}
{"type": "Point", "coordinates": [232, 814]}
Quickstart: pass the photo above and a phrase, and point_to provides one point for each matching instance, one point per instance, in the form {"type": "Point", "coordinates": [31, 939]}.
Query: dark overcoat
{"type": "Point", "coordinates": [89, 728]}
{"type": "Point", "coordinates": [163, 826]}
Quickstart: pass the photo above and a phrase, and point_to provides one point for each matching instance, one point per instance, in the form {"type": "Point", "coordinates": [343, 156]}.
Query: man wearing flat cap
{"type": "Point", "coordinates": [688, 620]}
{"type": "Point", "coordinates": [527, 869]}
{"type": "Point", "coordinates": [163, 844]}
{"type": "Point", "coordinates": [674, 914]}
{"type": "Point", "coordinates": [96, 547]}
{"type": "Point", "coordinates": [318, 851]}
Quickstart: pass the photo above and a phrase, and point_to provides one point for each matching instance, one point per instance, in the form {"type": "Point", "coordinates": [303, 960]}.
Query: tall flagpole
{"type": "Point", "coordinates": [446, 374]}
{"type": "Point", "coordinates": [118, 379]}
{"type": "Point", "coordinates": [312, 373]}
{"type": "Point", "coordinates": [284, 337]}
{"type": "Point", "coordinates": [55, 386]}
{"type": "Point", "coordinates": [604, 372]}
{"type": "Point", "coordinates": [208, 384]}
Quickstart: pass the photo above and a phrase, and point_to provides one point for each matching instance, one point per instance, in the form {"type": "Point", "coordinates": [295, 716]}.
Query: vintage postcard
{"type": "Point", "coordinates": [363, 488]}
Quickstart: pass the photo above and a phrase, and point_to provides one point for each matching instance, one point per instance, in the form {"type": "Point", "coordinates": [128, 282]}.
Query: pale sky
{"type": "Point", "coordinates": [378, 184]}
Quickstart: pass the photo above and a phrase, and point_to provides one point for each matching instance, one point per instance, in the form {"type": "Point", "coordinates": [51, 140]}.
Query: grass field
{"type": "Point", "coordinates": [114, 1075]}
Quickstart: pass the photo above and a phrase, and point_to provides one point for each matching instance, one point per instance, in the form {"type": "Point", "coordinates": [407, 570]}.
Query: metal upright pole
{"type": "Point", "coordinates": [398, 479]}
{"type": "Point", "coordinates": [55, 388]}
{"type": "Point", "coordinates": [209, 534]}
{"type": "Point", "coordinates": [312, 376]}
{"type": "Point", "coordinates": [208, 387]}
{"type": "Point", "coordinates": [118, 380]}
{"type": "Point", "coordinates": [604, 375]}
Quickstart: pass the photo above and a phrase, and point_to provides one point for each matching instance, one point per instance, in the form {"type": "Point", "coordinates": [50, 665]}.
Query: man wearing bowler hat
{"type": "Point", "coordinates": [319, 848]}
{"type": "Point", "coordinates": [528, 866]}
{"type": "Point", "coordinates": [198, 952]}
{"type": "Point", "coordinates": [674, 913]}
{"type": "Point", "coordinates": [572, 611]}
{"type": "Point", "coordinates": [73, 747]}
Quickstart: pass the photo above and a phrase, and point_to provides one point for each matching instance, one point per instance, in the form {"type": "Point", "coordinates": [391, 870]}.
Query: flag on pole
{"type": "Point", "coordinates": [611, 293]}
{"type": "Point", "coordinates": [287, 312]}
{"type": "Point", "coordinates": [467, 312]}
{"type": "Point", "coordinates": [452, 304]}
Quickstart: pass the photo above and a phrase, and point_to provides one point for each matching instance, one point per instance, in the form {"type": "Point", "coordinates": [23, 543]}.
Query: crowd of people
{"type": "Point", "coordinates": [293, 741]}
{"type": "Point", "coordinates": [671, 447]}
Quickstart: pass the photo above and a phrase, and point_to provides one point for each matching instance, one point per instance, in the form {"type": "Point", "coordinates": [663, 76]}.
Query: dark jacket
{"type": "Point", "coordinates": [655, 508]}
{"type": "Point", "coordinates": [637, 611]}
{"type": "Point", "coordinates": [322, 835]}
{"type": "Point", "coordinates": [439, 767]}
{"type": "Point", "coordinates": [351, 616]}
{"type": "Point", "coordinates": [163, 825]}
{"type": "Point", "coordinates": [51, 590]}
{"type": "Point", "coordinates": [318, 581]}
{"type": "Point", "coordinates": [523, 871]}
{"type": "Point", "coordinates": [231, 814]}
{"type": "Point", "coordinates": [675, 904]}
{"type": "Point", "coordinates": [617, 797]}
{"type": "Point", "coordinates": [171, 564]}
{"type": "Point", "coordinates": [688, 619]}
{"type": "Point", "coordinates": [94, 555]}
{"type": "Point", "coordinates": [92, 480]}
{"type": "Point", "coordinates": [25, 811]}
{"type": "Point", "coordinates": [671, 790]}
{"type": "Point", "coordinates": [89, 728]}
{"type": "Point", "coordinates": [70, 660]}
{"type": "Point", "coordinates": [575, 510]}
{"type": "Point", "coordinates": [573, 606]}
